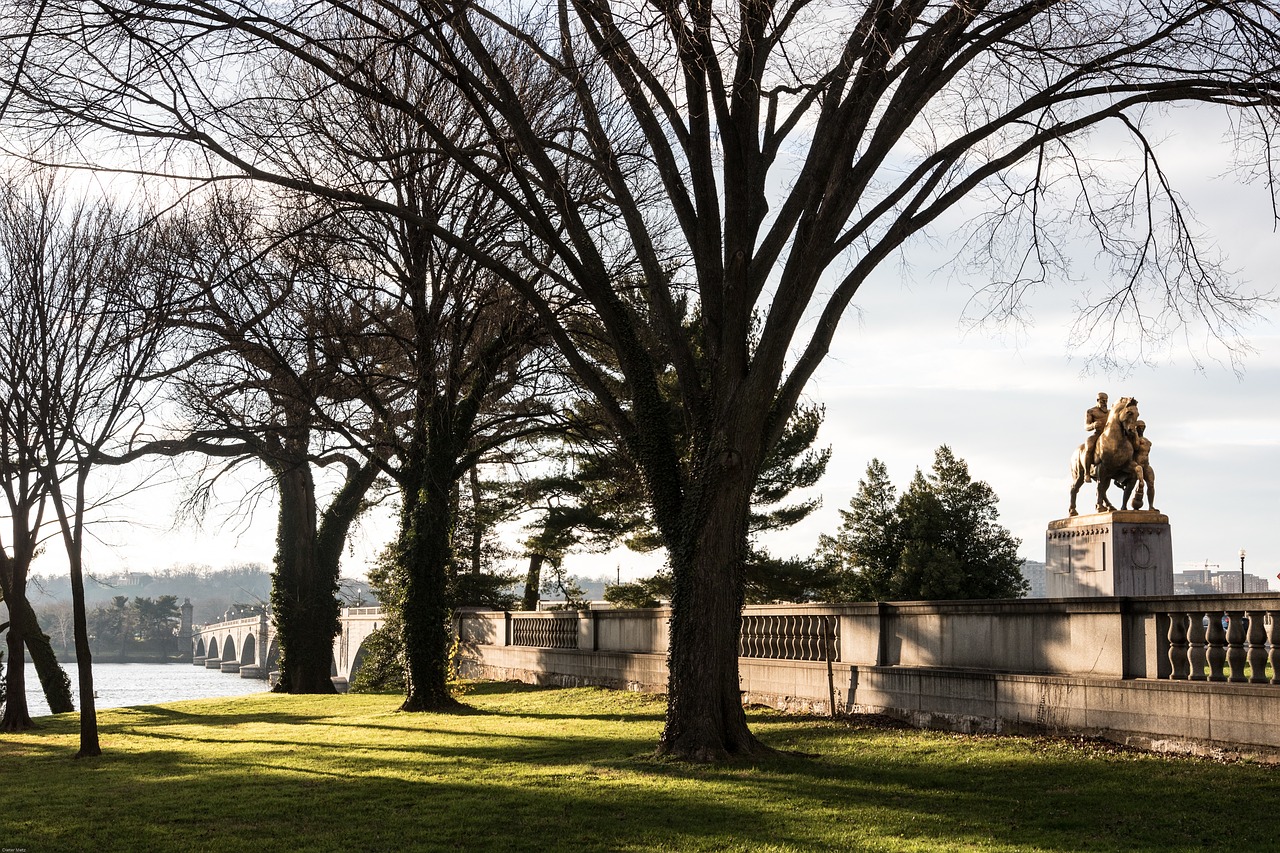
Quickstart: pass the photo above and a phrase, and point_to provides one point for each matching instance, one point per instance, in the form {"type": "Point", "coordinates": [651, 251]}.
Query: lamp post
{"type": "Point", "coordinates": [1242, 570]}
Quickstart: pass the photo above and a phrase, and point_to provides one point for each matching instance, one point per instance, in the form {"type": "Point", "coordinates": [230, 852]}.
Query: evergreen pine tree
{"type": "Point", "coordinates": [868, 544]}
{"type": "Point", "coordinates": [942, 540]}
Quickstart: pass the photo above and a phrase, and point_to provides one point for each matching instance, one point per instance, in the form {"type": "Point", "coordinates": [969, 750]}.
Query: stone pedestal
{"type": "Point", "coordinates": [1109, 554]}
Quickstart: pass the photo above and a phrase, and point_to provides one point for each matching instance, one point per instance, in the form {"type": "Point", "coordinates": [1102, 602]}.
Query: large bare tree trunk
{"type": "Point", "coordinates": [303, 594]}
{"type": "Point", "coordinates": [705, 720]}
{"type": "Point", "coordinates": [426, 526]}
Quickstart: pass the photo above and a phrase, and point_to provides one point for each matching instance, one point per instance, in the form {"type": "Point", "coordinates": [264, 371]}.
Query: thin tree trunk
{"type": "Point", "coordinates": [533, 581]}
{"type": "Point", "coordinates": [89, 745]}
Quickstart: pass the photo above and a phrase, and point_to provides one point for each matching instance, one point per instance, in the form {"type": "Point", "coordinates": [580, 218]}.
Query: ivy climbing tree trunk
{"type": "Point", "coordinates": [16, 715]}
{"type": "Point", "coordinates": [303, 595]}
{"type": "Point", "coordinates": [308, 565]}
{"type": "Point", "coordinates": [426, 527]}
{"type": "Point", "coordinates": [708, 549]}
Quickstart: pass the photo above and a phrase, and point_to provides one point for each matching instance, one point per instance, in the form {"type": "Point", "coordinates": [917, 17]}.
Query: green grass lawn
{"type": "Point", "coordinates": [530, 769]}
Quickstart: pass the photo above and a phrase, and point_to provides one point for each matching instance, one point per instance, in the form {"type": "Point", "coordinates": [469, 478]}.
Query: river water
{"type": "Point", "coordinates": [120, 685]}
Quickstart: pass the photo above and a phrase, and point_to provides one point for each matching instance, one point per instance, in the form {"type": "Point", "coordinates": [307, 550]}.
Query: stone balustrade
{"type": "Point", "coordinates": [1195, 672]}
{"type": "Point", "coordinates": [795, 636]}
{"type": "Point", "coordinates": [553, 630]}
{"type": "Point", "coordinates": [1221, 641]}
{"type": "Point", "coordinates": [1223, 638]}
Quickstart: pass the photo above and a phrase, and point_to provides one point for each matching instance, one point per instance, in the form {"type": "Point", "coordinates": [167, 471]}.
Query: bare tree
{"type": "Point", "coordinates": [98, 323]}
{"type": "Point", "coordinates": [34, 239]}
{"type": "Point", "coordinates": [60, 617]}
{"type": "Point", "coordinates": [266, 335]}
{"type": "Point", "coordinates": [756, 159]}
{"type": "Point", "coordinates": [80, 337]}
{"type": "Point", "coordinates": [448, 363]}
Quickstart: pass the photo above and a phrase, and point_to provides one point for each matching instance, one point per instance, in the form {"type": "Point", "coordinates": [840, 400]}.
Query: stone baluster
{"type": "Point", "coordinates": [1273, 639]}
{"type": "Point", "coordinates": [1235, 645]}
{"type": "Point", "coordinates": [1215, 647]}
{"type": "Point", "coordinates": [1177, 652]}
{"type": "Point", "coordinates": [1197, 660]}
{"type": "Point", "coordinates": [1257, 637]}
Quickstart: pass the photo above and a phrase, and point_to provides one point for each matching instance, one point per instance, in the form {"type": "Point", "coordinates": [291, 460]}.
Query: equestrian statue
{"type": "Point", "coordinates": [1116, 452]}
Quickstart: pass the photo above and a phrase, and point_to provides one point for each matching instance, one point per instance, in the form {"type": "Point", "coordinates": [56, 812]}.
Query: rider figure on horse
{"type": "Point", "coordinates": [1094, 421]}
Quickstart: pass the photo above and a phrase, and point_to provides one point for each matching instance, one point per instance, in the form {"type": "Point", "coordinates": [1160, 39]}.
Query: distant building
{"type": "Point", "coordinates": [1034, 573]}
{"type": "Point", "coordinates": [1206, 582]}
{"type": "Point", "coordinates": [1230, 582]}
{"type": "Point", "coordinates": [1194, 582]}
{"type": "Point", "coordinates": [1253, 583]}
{"type": "Point", "coordinates": [121, 582]}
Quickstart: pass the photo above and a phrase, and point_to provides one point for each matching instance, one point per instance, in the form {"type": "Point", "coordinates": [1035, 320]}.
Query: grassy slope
{"type": "Point", "coordinates": [570, 770]}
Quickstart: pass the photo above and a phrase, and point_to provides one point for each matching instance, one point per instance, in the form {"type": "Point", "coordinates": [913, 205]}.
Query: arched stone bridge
{"type": "Point", "coordinates": [249, 645]}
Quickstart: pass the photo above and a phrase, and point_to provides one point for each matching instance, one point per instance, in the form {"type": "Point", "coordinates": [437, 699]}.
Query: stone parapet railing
{"type": "Point", "coordinates": [1194, 672]}
{"type": "Point", "coordinates": [1219, 638]}
{"type": "Point", "coordinates": [790, 636]}
{"type": "Point", "coordinates": [1226, 638]}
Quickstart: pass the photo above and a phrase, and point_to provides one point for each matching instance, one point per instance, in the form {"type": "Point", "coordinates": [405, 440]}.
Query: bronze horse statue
{"type": "Point", "coordinates": [1113, 457]}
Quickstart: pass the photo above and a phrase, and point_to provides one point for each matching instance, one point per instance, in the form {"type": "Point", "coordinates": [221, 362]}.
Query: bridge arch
{"type": "Point", "coordinates": [249, 650]}
{"type": "Point", "coordinates": [199, 650]}
{"type": "Point", "coordinates": [229, 648]}
{"type": "Point", "coordinates": [357, 660]}
{"type": "Point", "coordinates": [272, 661]}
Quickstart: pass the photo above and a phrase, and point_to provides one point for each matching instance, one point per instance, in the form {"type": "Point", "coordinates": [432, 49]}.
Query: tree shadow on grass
{"type": "Point", "coordinates": [504, 688]}
{"type": "Point", "coordinates": [277, 806]}
{"type": "Point", "coordinates": [153, 715]}
{"type": "Point", "coordinates": [559, 787]}
{"type": "Point", "coordinates": [587, 801]}
{"type": "Point", "coordinates": [618, 717]}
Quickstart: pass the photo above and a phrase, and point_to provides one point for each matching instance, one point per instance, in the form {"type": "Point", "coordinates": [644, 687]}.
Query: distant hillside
{"type": "Point", "coordinates": [212, 591]}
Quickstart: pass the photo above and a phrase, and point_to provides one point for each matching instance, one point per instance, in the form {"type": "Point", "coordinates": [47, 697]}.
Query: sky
{"type": "Point", "coordinates": [906, 375]}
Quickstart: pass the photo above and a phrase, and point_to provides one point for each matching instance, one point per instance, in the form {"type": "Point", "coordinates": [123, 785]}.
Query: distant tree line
{"type": "Point", "coordinates": [131, 629]}
{"type": "Point", "coordinates": [211, 592]}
